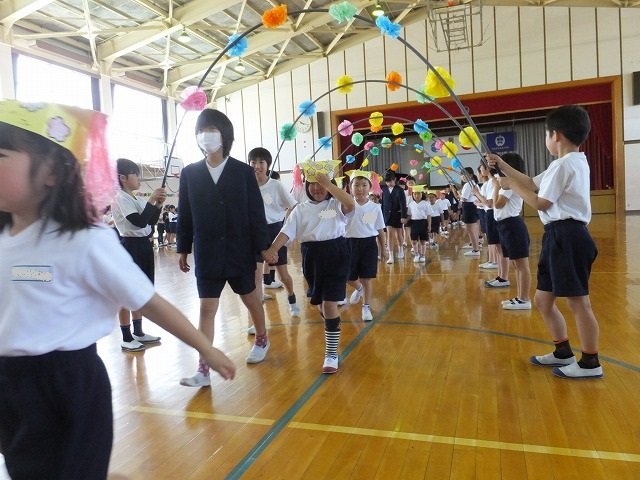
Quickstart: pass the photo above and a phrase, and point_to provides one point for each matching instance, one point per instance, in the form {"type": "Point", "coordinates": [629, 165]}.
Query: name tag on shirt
{"type": "Point", "coordinates": [31, 273]}
{"type": "Point", "coordinates": [267, 199]}
{"type": "Point", "coordinates": [326, 214]}
{"type": "Point", "coordinates": [369, 218]}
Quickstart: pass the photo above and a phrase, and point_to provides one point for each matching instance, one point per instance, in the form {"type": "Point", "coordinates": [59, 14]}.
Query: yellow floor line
{"type": "Point", "coordinates": [470, 442]}
{"type": "Point", "coordinates": [418, 437]}
{"type": "Point", "coordinates": [206, 416]}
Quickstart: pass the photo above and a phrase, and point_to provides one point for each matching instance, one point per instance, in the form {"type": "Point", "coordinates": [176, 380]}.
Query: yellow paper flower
{"type": "Point", "coordinates": [449, 149]}
{"type": "Point", "coordinates": [376, 119]}
{"type": "Point", "coordinates": [345, 84]}
{"type": "Point", "coordinates": [468, 138]}
{"type": "Point", "coordinates": [365, 162]}
{"type": "Point", "coordinates": [397, 128]}
{"type": "Point", "coordinates": [434, 87]}
{"type": "Point", "coordinates": [275, 16]}
{"type": "Point", "coordinates": [435, 161]}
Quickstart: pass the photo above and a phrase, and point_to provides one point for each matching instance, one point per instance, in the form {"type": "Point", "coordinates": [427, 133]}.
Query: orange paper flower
{"type": "Point", "coordinates": [394, 167]}
{"type": "Point", "coordinates": [394, 79]}
{"type": "Point", "coordinates": [275, 16]}
{"type": "Point", "coordinates": [376, 128]}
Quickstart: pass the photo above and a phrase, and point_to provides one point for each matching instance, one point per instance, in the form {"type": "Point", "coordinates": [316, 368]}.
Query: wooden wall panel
{"type": "Point", "coordinates": [375, 68]}
{"type": "Point", "coordinates": [608, 24]}
{"type": "Point", "coordinates": [484, 58]}
{"type": "Point", "coordinates": [284, 109]}
{"type": "Point", "coordinates": [532, 46]}
{"type": "Point", "coordinates": [395, 54]}
{"type": "Point", "coordinates": [354, 61]}
{"type": "Point", "coordinates": [508, 48]}
{"type": "Point", "coordinates": [557, 45]}
{"type": "Point", "coordinates": [584, 52]}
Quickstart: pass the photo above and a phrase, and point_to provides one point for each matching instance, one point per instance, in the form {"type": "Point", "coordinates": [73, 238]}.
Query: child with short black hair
{"type": "Point", "coordinates": [418, 213]}
{"type": "Point", "coordinates": [394, 211]}
{"type": "Point", "coordinates": [319, 224]}
{"type": "Point", "coordinates": [561, 194]}
{"type": "Point", "coordinates": [63, 278]}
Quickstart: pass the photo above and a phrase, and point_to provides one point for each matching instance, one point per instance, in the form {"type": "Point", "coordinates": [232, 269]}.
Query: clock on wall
{"type": "Point", "coordinates": [303, 125]}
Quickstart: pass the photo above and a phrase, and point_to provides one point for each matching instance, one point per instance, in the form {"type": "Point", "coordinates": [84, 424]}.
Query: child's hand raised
{"type": "Point", "coordinates": [323, 180]}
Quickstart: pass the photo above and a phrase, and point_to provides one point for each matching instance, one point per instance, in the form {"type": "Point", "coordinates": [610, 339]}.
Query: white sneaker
{"type": "Point", "coordinates": [390, 260]}
{"type": "Point", "coordinates": [274, 284]}
{"type": "Point", "coordinates": [266, 296]}
{"type": "Point", "coordinates": [251, 330]}
{"type": "Point", "coordinates": [356, 296]}
{"type": "Point", "coordinates": [422, 259]}
{"type": "Point", "coordinates": [472, 253]}
{"type": "Point", "coordinates": [517, 304]}
{"type": "Point", "coordinates": [495, 283]}
{"type": "Point", "coordinates": [367, 316]}
{"type": "Point", "coordinates": [146, 338]}
{"type": "Point", "coordinates": [198, 380]}
{"type": "Point", "coordinates": [550, 360]}
{"type": "Point", "coordinates": [416, 259]}
{"type": "Point", "coordinates": [132, 346]}
{"type": "Point", "coordinates": [330, 365]}
{"type": "Point", "coordinates": [488, 266]}
{"type": "Point", "coordinates": [257, 354]}
{"type": "Point", "coordinates": [574, 370]}
{"type": "Point", "coordinates": [294, 310]}
{"type": "Point", "coordinates": [342, 302]}
{"type": "Point", "coordinates": [400, 253]}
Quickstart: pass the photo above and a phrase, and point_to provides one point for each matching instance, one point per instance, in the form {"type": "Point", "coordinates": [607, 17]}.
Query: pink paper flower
{"type": "Point", "coordinates": [194, 99]}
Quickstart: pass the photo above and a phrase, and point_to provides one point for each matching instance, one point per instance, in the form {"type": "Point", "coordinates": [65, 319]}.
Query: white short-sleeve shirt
{"type": "Point", "coordinates": [276, 200]}
{"type": "Point", "coordinates": [315, 222]}
{"type": "Point", "coordinates": [566, 185]}
{"type": "Point", "coordinates": [512, 208]}
{"type": "Point", "coordinates": [466, 195]}
{"type": "Point", "coordinates": [366, 221]}
{"type": "Point", "coordinates": [63, 291]}
{"type": "Point", "coordinates": [124, 205]}
{"type": "Point", "coordinates": [419, 210]}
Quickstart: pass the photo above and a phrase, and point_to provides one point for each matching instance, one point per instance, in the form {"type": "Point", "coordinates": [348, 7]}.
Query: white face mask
{"type": "Point", "coordinates": [210, 142]}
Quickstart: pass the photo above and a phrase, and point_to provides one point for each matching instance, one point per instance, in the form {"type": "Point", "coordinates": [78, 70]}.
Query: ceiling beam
{"type": "Point", "coordinates": [13, 10]}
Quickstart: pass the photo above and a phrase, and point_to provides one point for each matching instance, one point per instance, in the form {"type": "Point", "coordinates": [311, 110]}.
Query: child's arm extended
{"type": "Point", "coordinates": [173, 321]}
{"type": "Point", "coordinates": [347, 201]}
{"type": "Point", "coordinates": [271, 254]}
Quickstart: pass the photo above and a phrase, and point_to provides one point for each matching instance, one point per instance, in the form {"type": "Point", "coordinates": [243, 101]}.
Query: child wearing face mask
{"type": "Point", "coordinates": [222, 221]}
{"type": "Point", "coordinates": [319, 224]}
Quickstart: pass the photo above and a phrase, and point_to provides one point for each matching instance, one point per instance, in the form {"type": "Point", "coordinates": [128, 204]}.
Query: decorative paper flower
{"type": "Point", "coordinates": [342, 12]}
{"type": "Point", "coordinates": [365, 162]}
{"type": "Point", "coordinates": [450, 149]}
{"type": "Point", "coordinates": [434, 86]}
{"type": "Point", "coordinates": [413, 162]}
{"type": "Point", "coordinates": [194, 99]}
{"type": "Point", "coordinates": [419, 148]}
{"type": "Point", "coordinates": [426, 136]}
{"type": "Point", "coordinates": [345, 128]}
{"type": "Point", "coordinates": [325, 142]}
{"type": "Point", "coordinates": [376, 119]}
{"type": "Point", "coordinates": [421, 176]}
{"type": "Point", "coordinates": [344, 84]}
{"type": "Point", "coordinates": [413, 172]}
{"type": "Point", "coordinates": [427, 165]}
{"type": "Point", "coordinates": [376, 128]}
{"type": "Point", "coordinates": [397, 128]}
{"type": "Point", "coordinates": [240, 46]}
{"type": "Point", "coordinates": [394, 167]}
{"type": "Point", "coordinates": [287, 132]}
{"type": "Point", "coordinates": [375, 151]}
{"type": "Point", "coordinates": [275, 16]}
{"type": "Point", "coordinates": [434, 147]}
{"type": "Point", "coordinates": [401, 142]}
{"type": "Point", "coordinates": [420, 126]}
{"type": "Point", "coordinates": [440, 172]}
{"type": "Point", "coordinates": [350, 159]}
{"type": "Point", "coordinates": [438, 144]}
{"type": "Point", "coordinates": [394, 81]}
{"type": "Point", "coordinates": [357, 139]}
{"type": "Point", "coordinates": [386, 142]}
{"type": "Point", "coordinates": [468, 138]}
{"type": "Point", "coordinates": [436, 161]}
{"type": "Point", "coordinates": [422, 97]}
{"type": "Point", "coordinates": [387, 27]}
{"type": "Point", "coordinates": [307, 108]}
{"type": "Point", "coordinates": [455, 163]}
{"type": "Point", "coordinates": [368, 146]}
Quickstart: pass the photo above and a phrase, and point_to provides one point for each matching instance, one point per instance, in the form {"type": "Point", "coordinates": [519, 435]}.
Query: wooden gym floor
{"type": "Point", "coordinates": [438, 386]}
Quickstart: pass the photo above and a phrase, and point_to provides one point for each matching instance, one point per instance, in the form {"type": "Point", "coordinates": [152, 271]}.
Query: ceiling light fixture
{"type": "Point", "coordinates": [184, 36]}
{"type": "Point", "coordinates": [377, 11]}
{"type": "Point", "coordinates": [240, 66]}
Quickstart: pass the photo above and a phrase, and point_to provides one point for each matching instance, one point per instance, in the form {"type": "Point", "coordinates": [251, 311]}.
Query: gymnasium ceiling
{"type": "Point", "coordinates": [144, 40]}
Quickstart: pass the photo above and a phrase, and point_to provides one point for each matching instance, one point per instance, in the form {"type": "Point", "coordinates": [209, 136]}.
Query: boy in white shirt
{"type": "Point", "coordinates": [561, 194]}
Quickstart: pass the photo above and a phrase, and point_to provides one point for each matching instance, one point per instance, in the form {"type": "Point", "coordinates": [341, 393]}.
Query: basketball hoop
{"type": "Point", "coordinates": [455, 24]}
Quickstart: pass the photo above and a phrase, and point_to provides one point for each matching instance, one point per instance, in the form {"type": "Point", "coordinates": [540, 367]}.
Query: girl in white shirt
{"type": "Point", "coordinates": [470, 215]}
{"type": "Point", "coordinates": [319, 224]}
{"type": "Point", "coordinates": [63, 278]}
{"type": "Point", "coordinates": [418, 213]}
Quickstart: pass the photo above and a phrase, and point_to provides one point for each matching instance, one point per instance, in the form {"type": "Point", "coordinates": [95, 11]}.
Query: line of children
{"type": "Point", "coordinates": [561, 194]}
{"type": "Point", "coordinates": [133, 218]}
{"type": "Point", "coordinates": [222, 220]}
{"type": "Point", "coordinates": [319, 224]}
{"type": "Point", "coordinates": [63, 278]}
{"type": "Point", "coordinates": [365, 227]}
{"type": "Point", "coordinates": [277, 204]}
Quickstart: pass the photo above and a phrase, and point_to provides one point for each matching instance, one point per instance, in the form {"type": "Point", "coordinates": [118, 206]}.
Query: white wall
{"type": "Point", "coordinates": [524, 46]}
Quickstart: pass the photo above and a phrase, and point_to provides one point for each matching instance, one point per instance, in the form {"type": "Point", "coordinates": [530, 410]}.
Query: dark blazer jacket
{"type": "Point", "coordinates": [224, 222]}
{"type": "Point", "coordinates": [393, 202]}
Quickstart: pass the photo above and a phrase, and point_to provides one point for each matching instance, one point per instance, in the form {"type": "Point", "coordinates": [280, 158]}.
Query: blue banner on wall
{"type": "Point", "coordinates": [501, 142]}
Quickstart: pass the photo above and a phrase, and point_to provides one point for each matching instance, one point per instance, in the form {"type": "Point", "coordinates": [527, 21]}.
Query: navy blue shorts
{"type": "Point", "coordinates": [514, 238]}
{"type": "Point", "coordinates": [274, 230]}
{"type": "Point", "coordinates": [141, 251]}
{"type": "Point", "coordinates": [325, 266]}
{"type": "Point", "coordinates": [435, 225]}
{"type": "Point", "coordinates": [446, 214]}
{"type": "Point", "coordinates": [212, 287]}
{"type": "Point", "coordinates": [419, 230]}
{"type": "Point", "coordinates": [394, 220]}
{"type": "Point", "coordinates": [364, 258]}
{"type": "Point", "coordinates": [469, 212]}
{"type": "Point", "coordinates": [568, 251]}
{"type": "Point", "coordinates": [482, 216]}
{"type": "Point", "coordinates": [493, 237]}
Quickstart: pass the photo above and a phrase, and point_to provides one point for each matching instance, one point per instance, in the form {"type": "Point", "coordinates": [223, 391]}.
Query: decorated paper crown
{"type": "Point", "coordinates": [311, 169]}
{"type": "Point", "coordinates": [339, 181]}
{"type": "Point", "coordinates": [360, 173]}
{"type": "Point", "coordinates": [70, 127]}
{"type": "Point", "coordinates": [419, 189]}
